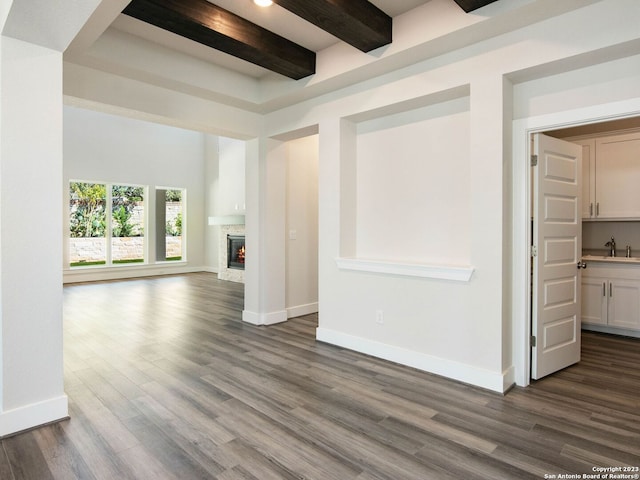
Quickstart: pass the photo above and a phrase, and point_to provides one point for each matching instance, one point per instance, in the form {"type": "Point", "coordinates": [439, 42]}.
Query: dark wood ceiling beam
{"type": "Point", "coordinates": [470, 5]}
{"type": "Point", "coordinates": [357, 22]}
{"type": "Point", "coordinates": [205, 23]}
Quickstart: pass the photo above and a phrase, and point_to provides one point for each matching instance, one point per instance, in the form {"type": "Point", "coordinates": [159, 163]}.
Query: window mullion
{"type": "Point", "coordinates": [108, 226]}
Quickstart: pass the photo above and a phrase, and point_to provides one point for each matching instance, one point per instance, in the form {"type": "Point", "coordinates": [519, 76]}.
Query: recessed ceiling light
{"type": "Point", "coordinates": [263, 3]}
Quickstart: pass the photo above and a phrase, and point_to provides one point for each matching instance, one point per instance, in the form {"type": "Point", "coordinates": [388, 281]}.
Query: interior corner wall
{"type": "Point", "coordinates": [212, 193]}
{"type": "Point", "coordinates": [302, 227]}
{"type": "Point", "coordinates": [232, 154]}
{"type": "Point", "coordinates": [115, 149]}
{"type": "Point", "coordinates": [265, 221]}
{"type": "Point", "coordinates": [507, 234]}
{"type": "Point", "coordinates": [31, 363]}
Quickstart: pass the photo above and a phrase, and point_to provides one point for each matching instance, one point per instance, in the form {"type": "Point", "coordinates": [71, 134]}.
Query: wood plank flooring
{"type": "Point", "coordinates": [166, 382]}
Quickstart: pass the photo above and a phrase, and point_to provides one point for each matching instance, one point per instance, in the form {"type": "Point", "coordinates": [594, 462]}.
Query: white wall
{"type": "Point", "coordinates": [31, 369]}
{"type": "Point", "coordinates": [211, 189]}
{"type": "Point", "coordinates": [114, 149]}
{"type": "Point", "coordinates": [302, 226]}
{"type": "Point", "coordinates": [232, 153]}
{"type": "Point", "coordinates": [225, 188]}
{"type": "Point", "coordinates": [596, 234]}
{"type": "Point", "coordinates": [31, 366]}
{"type": "Point", "coordinates": [117, 149]}
{"type": "Point", "coordinates": [606, 82]}
{"type": "Point", "coordinates": [455, 328]}
{"type": "Point", "coordinates": [459, 329]}
{"type": "Point", "coordinates": [413, 185]}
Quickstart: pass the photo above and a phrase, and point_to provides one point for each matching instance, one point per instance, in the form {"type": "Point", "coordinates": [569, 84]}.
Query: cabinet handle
{"type": "Point", "coordinates": [591, 209]}
{"type": "Point", "coordinates": [597, 209]}
{"type": "Point", "coordinates": [604, 289]}
{"type": "Point", "coordinates": [611, 289]}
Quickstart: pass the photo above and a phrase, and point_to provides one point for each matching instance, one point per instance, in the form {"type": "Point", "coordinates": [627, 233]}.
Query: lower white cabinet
{"type": "Point", "coordinates": [611, 297]}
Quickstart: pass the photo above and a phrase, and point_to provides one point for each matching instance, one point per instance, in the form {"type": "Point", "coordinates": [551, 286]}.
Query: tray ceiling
{"type": "Point", "coordinates": [283, 38]}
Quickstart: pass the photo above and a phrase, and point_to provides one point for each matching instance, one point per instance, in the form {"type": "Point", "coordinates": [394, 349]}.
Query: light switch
{"type": "Point", "coordinates": [293, 234]}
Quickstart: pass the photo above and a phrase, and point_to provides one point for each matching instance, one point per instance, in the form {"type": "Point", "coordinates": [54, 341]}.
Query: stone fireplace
{"type": "Point", "coordinates": [231, 253]}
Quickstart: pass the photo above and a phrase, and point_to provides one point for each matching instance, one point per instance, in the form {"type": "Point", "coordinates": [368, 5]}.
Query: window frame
{"type": "Point", "coordinates": [108, 229]}
{"type": "Point", "coordinates": [183, 211]}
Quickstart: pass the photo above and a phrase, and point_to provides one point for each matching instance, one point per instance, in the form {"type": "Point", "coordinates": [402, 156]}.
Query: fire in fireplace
{"type": "Point", "coordinates": [235, 251]}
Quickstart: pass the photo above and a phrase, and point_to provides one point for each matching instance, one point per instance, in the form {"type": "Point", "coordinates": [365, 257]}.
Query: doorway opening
{"type": "Point", "coordinates": [301, 225]}
{"type": "Point", "coordinates": [559, 291]}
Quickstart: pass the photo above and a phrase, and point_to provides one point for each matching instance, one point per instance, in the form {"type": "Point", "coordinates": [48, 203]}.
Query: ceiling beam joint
{"type": "Point", "coordinates": [215, 27]}
{"type": "Point", "coordinates": [357, 22]}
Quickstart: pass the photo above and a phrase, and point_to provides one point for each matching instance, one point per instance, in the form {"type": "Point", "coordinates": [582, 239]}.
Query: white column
{"type": "Point", "coordinates": [491, 100]}
{"type": "Point", "coordinates": [337, 171]}
{"type": "Point", "coordinates": [265, 273]}
{"type": "Point", "coordinates": [212, 200]}
{"type": "Point", "coordinates": [31, 201]}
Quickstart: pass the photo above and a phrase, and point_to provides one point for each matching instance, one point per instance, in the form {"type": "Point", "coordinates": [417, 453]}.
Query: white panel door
{"type": "Point", "coordinates": [557, 231]}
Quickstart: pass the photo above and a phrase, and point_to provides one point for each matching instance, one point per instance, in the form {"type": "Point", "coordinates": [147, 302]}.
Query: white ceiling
{"type": "Point", "coordinates": [128, 50]}
{"type": "Point", "coordinates": [273, 18]}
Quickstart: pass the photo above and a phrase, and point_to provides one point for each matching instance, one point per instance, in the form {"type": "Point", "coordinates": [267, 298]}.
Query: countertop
{"type": "Point", "coordinates": [607, 259]}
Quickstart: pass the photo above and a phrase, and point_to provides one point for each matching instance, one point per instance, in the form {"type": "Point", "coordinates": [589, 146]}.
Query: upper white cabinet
{"type": "Point", "coordinates": [618, 176]}
{"type": "Point", "coordinates": [588, 177]}
{"type": "Point", "coordinates": [610, 176]}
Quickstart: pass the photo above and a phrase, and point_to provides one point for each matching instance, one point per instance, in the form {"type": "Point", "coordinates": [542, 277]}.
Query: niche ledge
{"type": "Point", "coordinates": [459, 273]}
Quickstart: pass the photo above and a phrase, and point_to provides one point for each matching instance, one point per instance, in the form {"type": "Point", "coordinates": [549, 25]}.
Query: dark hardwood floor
{"type": "Point", "coordinates": [166, 382]}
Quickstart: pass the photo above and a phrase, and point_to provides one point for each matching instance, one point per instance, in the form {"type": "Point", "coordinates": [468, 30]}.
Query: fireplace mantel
{"type": "Point", "coordinates": [227, 220]}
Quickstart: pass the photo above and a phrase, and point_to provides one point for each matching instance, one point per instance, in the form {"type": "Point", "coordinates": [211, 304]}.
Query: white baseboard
{"type": "Point", "coordinates": [611, 330]}
{"type": "Point", "coordinates": [33, 415]}
{"type": "Point", "coordinates": [508, 378]}
{"type": "Point", "coordinates": [300, 310]}
{"type": "Point", "coordinates": [495, 381]}
{"type": "Point", "coordinates": [95, 274]}
{"type": "Point", "coordinates": [270, 318]}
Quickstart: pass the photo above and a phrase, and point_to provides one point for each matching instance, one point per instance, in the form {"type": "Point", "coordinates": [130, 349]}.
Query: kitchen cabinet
{"type": "Point", "coordinates": [610, 175]}
{"type": "Point", "coordinates": [618, 176]}
{"type": "Point", "coordinates": [611, 298]}
{"type": "Point", "coordinates": [588, 177]}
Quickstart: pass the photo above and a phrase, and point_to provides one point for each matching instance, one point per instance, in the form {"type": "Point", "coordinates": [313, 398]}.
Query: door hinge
{"type": "Point", "coordinates": [533, 340]}
{"type": "Point", "coordinates": [534, 251]}
{"type": "Point", "coordinates": [534, 160]}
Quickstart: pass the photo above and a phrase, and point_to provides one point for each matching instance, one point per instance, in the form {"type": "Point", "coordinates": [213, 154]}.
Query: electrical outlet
{"type": "Point", "coordinates": [379, 317]}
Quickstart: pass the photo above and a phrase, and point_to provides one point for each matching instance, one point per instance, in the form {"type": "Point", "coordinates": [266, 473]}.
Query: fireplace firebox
{"type": "Point", "coordinates": [235, 251]}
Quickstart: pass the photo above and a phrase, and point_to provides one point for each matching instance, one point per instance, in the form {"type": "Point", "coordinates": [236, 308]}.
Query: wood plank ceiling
{"type": "Point", "coordinates": [356, 22]}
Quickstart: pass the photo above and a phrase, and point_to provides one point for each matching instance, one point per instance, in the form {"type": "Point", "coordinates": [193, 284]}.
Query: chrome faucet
{"type": "Point", "coordinates": [612, 247]}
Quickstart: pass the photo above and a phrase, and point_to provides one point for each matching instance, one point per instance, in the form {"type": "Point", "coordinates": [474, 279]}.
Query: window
{"type": "Point", "coordinates": [169, 224]}
{"type": "Point", "coordinates": [107, 224]}
{"type": "Point", "coordinates": [91, 223]}
{"type": "Point", "coordinates": [127, 224]}
{"type": "Point", "coordinates": [87, 223]}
